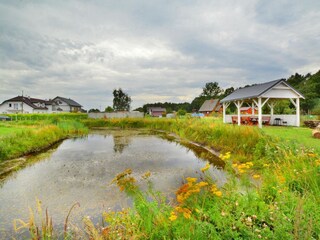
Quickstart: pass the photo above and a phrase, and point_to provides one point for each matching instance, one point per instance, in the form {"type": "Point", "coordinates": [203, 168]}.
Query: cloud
{"type": "Point", "coordinates": [153, 50]}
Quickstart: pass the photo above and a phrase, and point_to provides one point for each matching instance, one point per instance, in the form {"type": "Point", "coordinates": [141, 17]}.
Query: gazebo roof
{"type": "Point", "coordinates": [260, 90]}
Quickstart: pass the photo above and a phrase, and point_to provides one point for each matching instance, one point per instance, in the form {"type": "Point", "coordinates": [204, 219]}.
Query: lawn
{"type": "Point", "coordinates": [7, 129]}
{"type": "Point", "coordinates": [301, 136]}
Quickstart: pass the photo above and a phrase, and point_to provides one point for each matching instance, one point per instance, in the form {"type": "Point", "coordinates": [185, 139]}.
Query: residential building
{"type": "Point", "coordinates": [156, 111]}
{"type": "Point", "coordinates": [25, 104]}
{"type": "Point", "coordinates": [210, 106]}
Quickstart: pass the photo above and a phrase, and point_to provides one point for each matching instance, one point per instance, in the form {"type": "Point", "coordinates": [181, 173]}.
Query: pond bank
{"type": "Point", "coordinates": [36, 137]}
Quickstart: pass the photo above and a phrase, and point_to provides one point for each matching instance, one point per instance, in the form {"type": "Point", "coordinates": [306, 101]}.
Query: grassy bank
{"type": "Point", "coordinates": [30, 136]}
{"type": "Point", "coordinates": [272, 191]}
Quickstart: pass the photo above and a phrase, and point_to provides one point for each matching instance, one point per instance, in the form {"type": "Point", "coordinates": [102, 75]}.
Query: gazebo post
{"type": "Point", "coordinates": [238, 105]}
{"type": "Point", "coordinates": [297, 105]}
{"type": "Point", "coordinates": [298, 112]}
{"type": "Point", "coordinates": [259, 112]}
{"type": "Point", "coordinates": [252, 108]}
{"type": "Point", "coordinates": [224, 112]}
{"type": "Point", "coordinates": [225, 105]}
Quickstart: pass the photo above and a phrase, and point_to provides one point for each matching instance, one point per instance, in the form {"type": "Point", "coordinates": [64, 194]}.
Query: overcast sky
{"type": "Point", "coordinates": [154, 50]}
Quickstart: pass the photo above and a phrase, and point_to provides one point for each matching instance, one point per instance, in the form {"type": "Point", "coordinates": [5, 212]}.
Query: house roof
{"type": "Point", "coordinates": [256, 91]}
{"type": "Point", "coordinates": [29, 101]}
{"type": "Point", "coordinates": [209, 105]}
{"type": "Point", "coordinates": [69, 101]}
{"type": "Point", "coordinates": [156, 109]}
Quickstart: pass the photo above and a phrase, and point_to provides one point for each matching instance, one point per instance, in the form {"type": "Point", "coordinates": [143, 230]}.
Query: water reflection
{"type": "Point", "coordinates": [81, 170]}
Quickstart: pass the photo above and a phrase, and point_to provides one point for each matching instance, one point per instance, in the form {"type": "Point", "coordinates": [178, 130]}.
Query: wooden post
{"type": "Point", "coordinates": [224, 112]}
{"type": "Point", "coordinates": [239, 104]}
{"type": "Point", "coordinates": [298, 112]}
{"type": "Point", "coordinates": [225, 105]}
{"type": "Point", "coordinates": [259, 112]}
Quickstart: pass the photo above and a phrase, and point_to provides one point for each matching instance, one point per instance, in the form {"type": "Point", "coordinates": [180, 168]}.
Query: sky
{"type": "Point", "coordinates": [156, 51]}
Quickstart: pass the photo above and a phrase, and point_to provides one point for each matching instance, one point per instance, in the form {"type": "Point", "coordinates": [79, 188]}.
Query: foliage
{"type": "Point", "coordinates": [181, 112]}
{"type": "Point", "coordinates": [109, 109]}
{"type": "Point", "coordinates": [121, 100]}
{"type": "Point", "coordinates": [43, 116]}
{"type": "Point", "coordinates": [94, 110]}
{"type": "Point", "coordinates": [271, 192]}
{"type": "Point", "coordinates": [309, 86]}
{"type": "Point", "coordinates": [211, 90]}
{"type": "Point", "coordinates": [36, 136]}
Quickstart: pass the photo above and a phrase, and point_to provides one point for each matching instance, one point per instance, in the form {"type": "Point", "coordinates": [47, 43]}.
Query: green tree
{"type": "Point", "coordinates": [181, 112]}
{"type": "Point", "coordinates": [108, 109]}
{"type": "Point", "coordinates": [121, 100]}
{"type": "Point", "coordinates": [211, 90]}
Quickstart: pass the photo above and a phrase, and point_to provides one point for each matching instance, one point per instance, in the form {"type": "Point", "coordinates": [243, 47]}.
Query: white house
{"type": "Point", "coordinates": [23, 104]}
{"type": "Point", "coordinates": [65, 105]}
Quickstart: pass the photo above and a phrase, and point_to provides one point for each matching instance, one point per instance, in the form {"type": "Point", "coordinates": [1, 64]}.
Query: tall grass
{"type": "Point", "coordinates": [38, 136]}
{"type": "Point", "coordinates": [272, 191]}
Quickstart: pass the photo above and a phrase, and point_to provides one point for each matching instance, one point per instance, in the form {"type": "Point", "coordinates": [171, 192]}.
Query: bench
{"type": "Point", "coordinates": [234, 119]}
{"type": "Point", "coordinates": [266, 120]}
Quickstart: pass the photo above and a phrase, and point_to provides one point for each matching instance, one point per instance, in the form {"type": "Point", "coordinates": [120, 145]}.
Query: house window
{"type": "Point", "coordinates": [10, 105]}
{"type": "Point", "coordinates": [15, 106]}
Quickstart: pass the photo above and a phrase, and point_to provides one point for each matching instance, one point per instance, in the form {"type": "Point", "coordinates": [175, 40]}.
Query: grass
{"type": "Point", "coordinates": [27, 136]}
{"type": "Point", "coordinates": [272, 191]}
{"type": "Point", "coordinates": [7, 129]}
{"type": "Point", "coordinates": [300, 136]}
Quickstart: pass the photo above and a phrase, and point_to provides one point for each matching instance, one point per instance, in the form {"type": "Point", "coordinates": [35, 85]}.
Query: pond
{"type": "Point", "coordinates": [81, 170]}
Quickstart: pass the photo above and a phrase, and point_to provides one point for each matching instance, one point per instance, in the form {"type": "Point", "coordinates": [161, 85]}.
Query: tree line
{"type": "Point", "coordinates": [308, 85]}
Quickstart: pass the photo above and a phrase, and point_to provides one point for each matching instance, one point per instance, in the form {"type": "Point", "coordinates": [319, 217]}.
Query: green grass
{"type": "Point", "coordinates": [272, 190]}
{"type": "Point", "coordinates": [300, 136]}
{"type": "Point", "coordinates": [24, 137]}
{"type": "Point", "coordinates": [7, 129]}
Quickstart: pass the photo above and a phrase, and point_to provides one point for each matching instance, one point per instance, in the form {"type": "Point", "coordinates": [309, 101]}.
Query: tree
{"type": "Point", "coordinates": [211, 90]}
{"type": "Point", "coordinates": [94, 110]}
{"type": "Point", "coordinates": [121, 100]}
{"type": "Point", "coordinates": [108, 109]}
{"type": "Point", "coordinates": [226, 92]}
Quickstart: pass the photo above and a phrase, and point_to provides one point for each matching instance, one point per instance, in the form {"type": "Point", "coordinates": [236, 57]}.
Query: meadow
{"type": "Point", "coordinates": [272, 191]}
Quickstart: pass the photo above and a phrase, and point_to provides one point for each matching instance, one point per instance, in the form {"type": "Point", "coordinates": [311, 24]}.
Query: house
{"type": "Point", "coordinates": [65, 105]}
{"type": "Point", "coordinates": [156, 111]}
{"type": "Point", "coordinates": [248, 110]}
{"type": "Point", "coordinates": [210, 106]}
{"type": "Point", "coordinates": [23, 104]}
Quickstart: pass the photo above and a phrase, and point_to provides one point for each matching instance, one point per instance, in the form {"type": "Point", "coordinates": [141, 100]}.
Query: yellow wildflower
{"type": "Point", "coordinates": [311, 155]}
{"type": "Point", "coordinates": [218, 193]}
{"type": "Point", "coordinates": [266, 165]}
{"type": "Point", "coordinates": [173, 216]}
{"type": "Point", "coordinates": [186, 213]}
{"type": "Point", "coordinates": [256, 176]}
{"type": "Point", "coordinates": [146, 175]}
{"type": "Point", "coordinates": [225, 156]}
{"type": "Point", "coordinates": [191, 180]}
{"type": "Point", "coordinates": [317, 162]}
{"type": "Point", "coordinates": [203, 184]}
{"type": "Point", "coordinates": [206, 167]}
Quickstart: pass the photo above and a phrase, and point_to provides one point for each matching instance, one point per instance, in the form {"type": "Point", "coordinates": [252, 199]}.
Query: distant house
{"type": "Point", "coordinates": [156, 111]}
{"type": "Point", "coordinates": [210, 106]}
{"type": "Point", "coordinates": [23, 104]}
{"type": "Point", "coordinates": [248, 110]}
{"type": "Point", "coordinates": [65, 105]}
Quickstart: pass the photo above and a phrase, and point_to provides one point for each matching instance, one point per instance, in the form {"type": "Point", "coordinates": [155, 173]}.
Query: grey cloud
{"type": "Point", "coordinates": [154, 50]}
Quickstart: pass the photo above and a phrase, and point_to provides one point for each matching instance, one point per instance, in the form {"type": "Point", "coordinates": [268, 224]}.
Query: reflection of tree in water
{"type": "Point", "coordinates": [120, 142]}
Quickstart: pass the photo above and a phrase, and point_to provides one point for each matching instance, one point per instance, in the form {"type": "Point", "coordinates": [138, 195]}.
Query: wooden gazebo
{"type": "Point", "coordinates": [258, 95]}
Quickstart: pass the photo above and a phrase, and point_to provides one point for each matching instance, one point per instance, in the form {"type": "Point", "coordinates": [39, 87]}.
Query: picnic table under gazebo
{"type": "Point", "coordinates": [256, 97]}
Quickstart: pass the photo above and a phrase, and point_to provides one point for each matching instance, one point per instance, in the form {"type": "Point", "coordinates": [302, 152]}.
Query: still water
{"type": "Point", "coordinates": [81, 170]}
